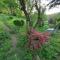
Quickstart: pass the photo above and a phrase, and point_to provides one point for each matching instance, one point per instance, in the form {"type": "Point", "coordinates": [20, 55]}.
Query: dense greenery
{"type": "Point", "coordinates": [49, 51]}
{"type": "Point", "coordinates": [13, 33]}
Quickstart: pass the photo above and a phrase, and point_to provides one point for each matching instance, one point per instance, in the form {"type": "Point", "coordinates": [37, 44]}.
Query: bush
{"type": "Point", "coordinates": [10, 17]}
{"type": "Point", "coordinates": [18, 23]}
{"type": "Point", "coordinates": [4, 45]}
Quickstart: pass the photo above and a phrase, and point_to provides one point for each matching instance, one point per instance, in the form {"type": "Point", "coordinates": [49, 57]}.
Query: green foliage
{"type": "Point", "coordinates": [22, 41]}
{"type": "Point", "coordinates": [23, 53]}
{"type": "Point", "coordinates": [56, 19]}
{"type": "Point", "coordinates": [18, 23]}
{"type": "Point", "coordinates": [44, 28]}
{"type": "Point", "coordinates": [10, 17]}
{"type": "Point", "coordinates": [48, 51]}
{"type": "Point", "coordinates": [10, 3]}
{"type": "Point", "coordinates": [8, 6]}
{"type": "Point", "coordinates": [4, 45]}
{"type": "Point", "coordinates": [51, 49]}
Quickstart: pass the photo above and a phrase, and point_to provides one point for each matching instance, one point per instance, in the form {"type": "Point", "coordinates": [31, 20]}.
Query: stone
{"type": "Point", "coordinates": [51, 30]}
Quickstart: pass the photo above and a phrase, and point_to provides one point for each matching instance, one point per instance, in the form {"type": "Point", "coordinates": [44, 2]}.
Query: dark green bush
{"type": "Point", "coordinates": [18, 23]}
{"type": "Point", "coordinates": [10, 17]}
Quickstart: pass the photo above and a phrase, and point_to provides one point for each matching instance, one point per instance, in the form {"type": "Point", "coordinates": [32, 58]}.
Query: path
{"type": "Point", "coordinates": [12, 36]}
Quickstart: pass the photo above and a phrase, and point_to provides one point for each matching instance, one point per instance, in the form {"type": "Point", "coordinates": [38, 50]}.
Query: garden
{"type": "Point", "coordinates": [27, 32]}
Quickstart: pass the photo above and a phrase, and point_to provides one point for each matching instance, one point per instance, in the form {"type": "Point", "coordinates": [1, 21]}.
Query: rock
{"type": "Point", "coordinates": [51, 30]}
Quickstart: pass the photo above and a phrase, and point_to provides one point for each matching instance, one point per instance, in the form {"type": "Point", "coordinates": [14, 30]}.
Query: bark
{"type": "Point", "coordinates": [28, 20]}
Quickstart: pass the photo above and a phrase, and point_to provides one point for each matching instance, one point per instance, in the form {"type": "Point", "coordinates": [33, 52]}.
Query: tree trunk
{"type": "Point", "coordinates": [40, 21]}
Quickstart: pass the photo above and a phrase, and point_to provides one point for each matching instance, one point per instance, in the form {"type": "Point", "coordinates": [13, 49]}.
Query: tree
{"type": "Point", "coordinates": [40, 11]}
{"type": "Point", "coordinates": [11, 5]}
{"type": "Point", "coordinates": [53, 3]}
{"type": "Point", "coordinates": [27, 11]}
{"type": "Point", "coordinates": [26, 8]}
{"type": "Point", "coordinates": [2, 6]}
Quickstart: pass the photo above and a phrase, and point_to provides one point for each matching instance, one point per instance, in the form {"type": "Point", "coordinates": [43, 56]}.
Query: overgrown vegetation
{"type": "Point", "coordinates": [17, 28]}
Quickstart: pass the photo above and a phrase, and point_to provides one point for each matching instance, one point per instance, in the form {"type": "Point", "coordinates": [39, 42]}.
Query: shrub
{"type": "Point", "coordinates": [10, 17]}
{"type": "Point", "coordinates": [4, 45]}
{"type": "Point", "coordinates": [18, 23]}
